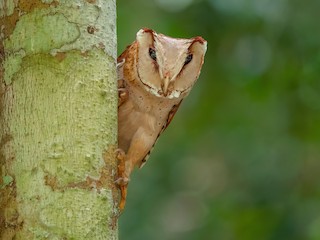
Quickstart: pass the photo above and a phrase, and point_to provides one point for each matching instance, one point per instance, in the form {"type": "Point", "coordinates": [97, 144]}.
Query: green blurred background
{"type": "Point", "coordinates": [241, 159]}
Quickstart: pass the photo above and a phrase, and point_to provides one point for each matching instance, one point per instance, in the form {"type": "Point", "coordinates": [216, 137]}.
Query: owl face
{"type": "Point", "coordinates": [168, 67]}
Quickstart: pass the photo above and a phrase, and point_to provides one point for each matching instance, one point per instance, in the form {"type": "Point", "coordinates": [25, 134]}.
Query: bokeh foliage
{"type": "Point", "coordinates": [241, 160]}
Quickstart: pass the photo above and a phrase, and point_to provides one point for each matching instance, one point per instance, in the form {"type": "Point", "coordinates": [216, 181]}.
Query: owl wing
{"type": "Point", "coordinates": [124, 53]}
{"type": "Point", "coordinates": [169, 119]}
{"type": "Point", "coordinates": [170, 116]}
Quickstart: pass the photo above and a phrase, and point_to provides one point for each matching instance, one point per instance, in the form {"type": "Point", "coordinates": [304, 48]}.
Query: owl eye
{"type": "Point", "coordinates": [152, 54]}
{"type": "Point", "coordinates": [188, 59]}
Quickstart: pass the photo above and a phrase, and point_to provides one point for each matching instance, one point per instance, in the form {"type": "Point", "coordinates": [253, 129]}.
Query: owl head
{"type": "Point", "coordinates": [168, 67]}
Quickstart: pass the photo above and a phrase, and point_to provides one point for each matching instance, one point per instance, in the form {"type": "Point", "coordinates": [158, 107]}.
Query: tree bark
{"type": "Point", "coordinates": [58, 119]}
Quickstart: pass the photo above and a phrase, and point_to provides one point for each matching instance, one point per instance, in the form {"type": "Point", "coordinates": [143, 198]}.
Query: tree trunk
{"type": "Point", "coordinates": [58, 119]}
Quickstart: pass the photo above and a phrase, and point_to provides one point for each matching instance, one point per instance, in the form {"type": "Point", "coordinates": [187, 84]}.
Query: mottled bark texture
{"type": "Point", "coordinates": [58, 119]}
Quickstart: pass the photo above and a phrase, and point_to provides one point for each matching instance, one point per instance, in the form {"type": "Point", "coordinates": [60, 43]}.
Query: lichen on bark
{"type": "Point", "coordinates": [58, 120]}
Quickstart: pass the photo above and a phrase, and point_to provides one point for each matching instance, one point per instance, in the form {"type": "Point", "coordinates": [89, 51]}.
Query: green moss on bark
{"type": "Point", "coordinates": [61, 113]}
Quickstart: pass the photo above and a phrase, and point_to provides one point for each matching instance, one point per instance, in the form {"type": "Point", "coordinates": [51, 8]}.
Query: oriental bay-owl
{"type": "Point", "coordinates": [155, 73]}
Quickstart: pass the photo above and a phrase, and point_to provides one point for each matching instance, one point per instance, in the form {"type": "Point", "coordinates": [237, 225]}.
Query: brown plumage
{"type": "Point", "coordinates": [155, 74]}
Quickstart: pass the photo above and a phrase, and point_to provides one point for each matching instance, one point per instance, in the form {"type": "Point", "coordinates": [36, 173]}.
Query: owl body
{"type": "Point", "coordinates": [155, 74]}
{"type": "Point", "coordinates": [143, 111]}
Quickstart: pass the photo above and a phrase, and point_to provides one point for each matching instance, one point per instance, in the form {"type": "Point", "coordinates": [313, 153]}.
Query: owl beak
{"type": "Point", "coordinates": [165, 84]}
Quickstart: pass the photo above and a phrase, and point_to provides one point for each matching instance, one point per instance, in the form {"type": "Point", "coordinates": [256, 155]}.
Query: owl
{"type": "Point", "coordinates": [155, 73]}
